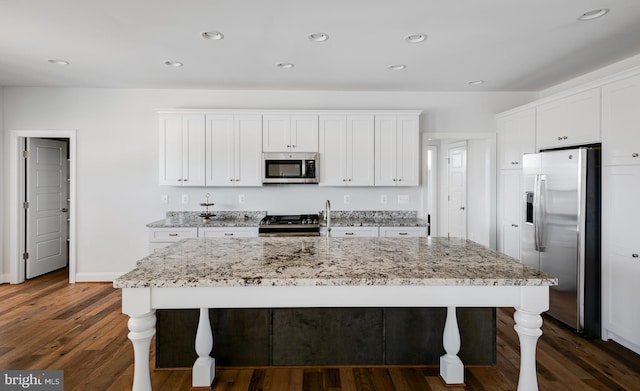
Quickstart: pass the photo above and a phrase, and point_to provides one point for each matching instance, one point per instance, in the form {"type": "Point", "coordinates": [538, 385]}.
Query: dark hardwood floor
{"type": "Point", "coordinates": [46, 323]}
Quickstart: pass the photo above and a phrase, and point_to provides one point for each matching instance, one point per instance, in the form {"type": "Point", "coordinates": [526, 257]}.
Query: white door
{"type": "Point", "coordinates": [47, 210]}
{"type": "Point", "coordinates": [457, 190]}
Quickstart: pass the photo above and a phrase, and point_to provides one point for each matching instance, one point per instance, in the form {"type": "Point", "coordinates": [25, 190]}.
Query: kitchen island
{"type": "Point", "coordinates": [308, 272]}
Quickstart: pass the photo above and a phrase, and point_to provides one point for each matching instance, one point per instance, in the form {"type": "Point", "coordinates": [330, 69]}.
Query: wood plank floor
{"type": "Point", "coordinates": [46, 323]}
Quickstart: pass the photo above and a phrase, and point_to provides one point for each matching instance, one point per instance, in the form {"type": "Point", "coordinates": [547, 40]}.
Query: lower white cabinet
{"type": "Point", "coordinates": [509, 212]}
{"type": "Point", "coordinates": [228, 232]}
{"type": "Point", "coordinates": [621, 255]}
{"type": "Point", "coordinates": [403, 232]}
{"type": "Point", "coordinates": [162, 237]}
{"type": "Point", "coordinates": [351, 232]}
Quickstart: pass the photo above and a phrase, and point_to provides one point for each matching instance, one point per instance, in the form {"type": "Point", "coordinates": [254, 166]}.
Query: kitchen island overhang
{"type": "Point", "coordinates": [331, 272]}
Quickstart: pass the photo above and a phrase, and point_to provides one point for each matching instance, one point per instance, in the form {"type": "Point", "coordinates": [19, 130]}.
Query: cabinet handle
{"type": "Point", "coordinates": [228, 234]}
{"type": "Point", "coordinates": [462, 208]}
{"type": "Point", "coordinates": [349, 179]}
{"type": "Point", "coordinates": [185, 179]}
{"type": "Point", "coordinates": [344, 179]}
{"type": "Point", "coordinates": [634, 255]}
{"type": "Point", "coordinates": [349, 233]}
{"type": "Point", "coordinates": [403, 233]}
{"type": "Point", "coordinates": [231, 179]}
{"type": "Point", "coordinates": [293, 146]}
{"type": "Point", "coordinates": [394, 179]}
{"type": "Point", "coordinates": [400, 180]}
{"type": "Point", "coordinates": [173, 234]}
{"type": "Point", "coordinates": [237, 180]}
{"type": "Point", "coordinates": [559, 138]}
{"type": "Point", "coordinates": [179, 180]}
{"type": "Point", "coordinates": [288, 146]}
{"type": "Point", "coordinates": [564, 137]}
{"type": "Point", "coordinates": [514, 225]}
{"type": "Point", "coordinates": [634, 154]}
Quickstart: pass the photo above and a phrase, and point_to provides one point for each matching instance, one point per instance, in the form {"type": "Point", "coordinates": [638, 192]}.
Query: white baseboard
{"type": "Point", "coordinates": [97, 277]}
{"type": "Point", "coordinates": [4, 279]}
{"type": "Point", "coordinates": [624, 342]}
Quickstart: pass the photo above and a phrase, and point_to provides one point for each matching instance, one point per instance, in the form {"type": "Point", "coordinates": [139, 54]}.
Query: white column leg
{"type": "Point", "coordinates": [204, 369]}
{"type": "Point", "coordinates": [528, 328]}
{"type": "Point", "coordinates": [141, 330]}
{"type": "Point", "coordinates": [451, 367]}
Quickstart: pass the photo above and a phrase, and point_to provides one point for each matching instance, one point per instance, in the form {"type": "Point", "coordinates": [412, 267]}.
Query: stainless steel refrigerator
{"type": "Point", "coordinates": [561, 231]}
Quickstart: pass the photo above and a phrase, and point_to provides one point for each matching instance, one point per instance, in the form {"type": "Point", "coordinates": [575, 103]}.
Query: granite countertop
{"type": "Point", "coordinates": [319, 261]}
{"type": "Point", "coordinates": [342, 218]}
{"type": "Point", "coordinates": [221, 219]}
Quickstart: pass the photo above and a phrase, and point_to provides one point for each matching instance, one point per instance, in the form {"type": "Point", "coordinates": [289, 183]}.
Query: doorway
{"type": "Point", "coordinates": [18, 224]}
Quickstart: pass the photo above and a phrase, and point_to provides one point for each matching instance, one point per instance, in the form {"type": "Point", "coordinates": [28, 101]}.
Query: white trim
{"type": "Point", "coordinates": [4, 278]}
{"type": "Point", "coordinates": [97, 277]}
{"type": "Point", "coordinates": [16, 273]}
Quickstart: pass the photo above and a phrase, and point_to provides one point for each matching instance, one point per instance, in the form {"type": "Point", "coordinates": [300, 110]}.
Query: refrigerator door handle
{"type": "Point", "coordinates": [541, 207]}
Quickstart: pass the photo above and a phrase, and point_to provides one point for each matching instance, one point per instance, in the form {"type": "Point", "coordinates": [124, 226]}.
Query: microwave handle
{"type": "Point", "coordinates": [304, 168]}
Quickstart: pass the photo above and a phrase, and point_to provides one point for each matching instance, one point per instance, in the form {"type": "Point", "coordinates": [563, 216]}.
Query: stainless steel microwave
{"type": "Point", "coordinates": [290, 167]}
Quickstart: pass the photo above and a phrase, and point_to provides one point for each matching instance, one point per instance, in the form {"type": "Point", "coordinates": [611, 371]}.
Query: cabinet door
{"type": "Point", "coordinates": [228, 232]}
{"type": "Point", "coordinates": [170, 149]}
{"type": "Point", "coordinates": [574, 120]}
{"type": "Point", "coordinates": [304, 133]}
{"type": "Point", "coordinates": [333, 150]}
{"type": "Point", "coordinates": [360, 150]}
{"type": "Point", "coordinates": [220, 150]}
{"type": "Point", "coordinates": [621, 122]}
{"type": "Point", "coordinates": [516, 136]}
{"type": "Point", "coordinates": [248, 158]}
{"type": "Point", "coordinates": [509, 212]}
{"type": "Point", "coordinates": [620, 251]}
{"type": "Point", "coordinates": [385, 150]}
{"type": "Point", "coordinates": [408, 151]}
{"type": "Point", "coordinates": [351, 232]}
{"type": "Point", "coordinates": [276, 133]}
{"type": "Point", "coordinates": [193, 155]}
{"type": "Point", "coordinates": [401, 232]}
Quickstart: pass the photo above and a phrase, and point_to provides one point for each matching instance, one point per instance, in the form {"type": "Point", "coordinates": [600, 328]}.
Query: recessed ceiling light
{"type": "Point", "coordinates": [415, 38]}
{"type": "Point", "coordinates": [318, 37]}
{"type": "Point", "coordinates": [593, 14]}
{"type": "Point", "coordinates": [284, 65]}
{"type": "Point", "coordinates": [476, 82]}
{"type": "Point", "coordinates": [58, 62]}
{"type": "Point", "coordinates": [213, 35]}
{"type": "Point", "coordinates": [397, 67]}
{"type": "Point", "coordinates": [170, 63]}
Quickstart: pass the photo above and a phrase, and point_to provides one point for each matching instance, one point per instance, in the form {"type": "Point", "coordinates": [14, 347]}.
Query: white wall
{"type": "Point", "coordinates": [117, 155]}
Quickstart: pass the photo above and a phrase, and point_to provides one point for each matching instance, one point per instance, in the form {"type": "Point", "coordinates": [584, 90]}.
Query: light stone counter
{"type": "Point", "coordinates": [189, 219]}
{"type": "Point", "coordinates": [320, 261]}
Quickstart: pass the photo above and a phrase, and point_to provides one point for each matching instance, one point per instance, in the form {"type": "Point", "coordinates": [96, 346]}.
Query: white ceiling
{"type": "Point", "coordinates": [514, 45]}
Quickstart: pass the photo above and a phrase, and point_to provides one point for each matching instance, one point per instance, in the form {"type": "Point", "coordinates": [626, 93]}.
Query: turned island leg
{"type": "Point", "coordinates": [451, 367]}
{"type": "Point", "coordinates": [204, 369]}
{"type": "Point", "coordinates": [141, 330]}
{"type": "Point", "coordinates": [528, 328]}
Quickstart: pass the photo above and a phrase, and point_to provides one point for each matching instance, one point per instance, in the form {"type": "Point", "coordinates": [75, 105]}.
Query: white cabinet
{"type": "Point", "coordinates": [228, 232]}
{"type": "Point", "coordinates": [403, 232]}
{"type": "Point", "coordinates": [346, 150]}
{"type": "Point", "coordinates": [516, 136]}
{"type": "Point", "coordinates": [509, 212]}
{"type": "Point", "coordinates": [351, 232]}
{"type": "Point", "coordinates": [574, 120]}
{"type": "Point", "coordinates": [621, 122]}
{"type": "Point", "coordinates": [162, 237]}
{"type": "Point", "coordinates": [397, 150]}
{"type": "Point", "coordinates": [621, 253]}
{"type": "Point", "coordinates": [290, 133]}
{"type": "Point", "coordinates": [182, 153]}
{"type": "Point", "coordinates": [233, 150]}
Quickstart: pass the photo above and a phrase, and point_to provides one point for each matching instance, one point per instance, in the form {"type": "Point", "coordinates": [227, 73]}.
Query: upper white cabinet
{"type": "Point", "coordinates": [397, 150]}
{"type": "Point", "coordinates": [346, 150]}
{"type": "Point", "coordinates": [516, 136]}
{"type": "Point", "coordinates": [182, 152]}
{"type": "Point", "coordinates": [290, 133]}
{"type": "Point", "coordinates": [574, 120]}
{"type": "Point", "coordinates": [621, 122]}
{"type": "Point", "coordinates": [234, 150]}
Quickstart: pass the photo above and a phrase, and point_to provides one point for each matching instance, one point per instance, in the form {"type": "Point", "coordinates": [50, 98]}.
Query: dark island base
{"type": "Point", "coordinates": [325, 336]}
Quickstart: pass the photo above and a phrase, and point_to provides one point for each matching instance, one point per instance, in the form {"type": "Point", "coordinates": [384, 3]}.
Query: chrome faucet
{"type": "Point", "coordinates": [327, 216]}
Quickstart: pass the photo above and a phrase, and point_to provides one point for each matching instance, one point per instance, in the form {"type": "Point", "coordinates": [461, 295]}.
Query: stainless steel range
{"type": "Point", "coordinates": [289, 225]}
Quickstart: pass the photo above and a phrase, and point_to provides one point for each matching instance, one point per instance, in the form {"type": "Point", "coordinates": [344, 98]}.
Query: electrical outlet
{"type": "Point", "coordinates": [165, 198]}
{"type": "Point", "coordinates": [403, 199]}
{"type": "Point", "coordinates": [185, 198]}
{"type": "Point", "coordinates": [241, 199]}
{"type": "Point", "coordinates": [383, 199]}
{"type": "Point", "coordinates": [347, 199]}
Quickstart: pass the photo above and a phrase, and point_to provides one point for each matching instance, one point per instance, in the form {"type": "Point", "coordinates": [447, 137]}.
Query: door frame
{"type": "Point", "coordinates": [17, 193]}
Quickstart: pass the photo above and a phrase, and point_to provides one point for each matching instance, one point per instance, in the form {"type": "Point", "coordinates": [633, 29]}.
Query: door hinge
{"type": "Point", "coordinates": [26, 205]}
{"type": "Point", "coordinates": [25, 256]}
{"type": "Point", "coordinates": [25, 154]}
